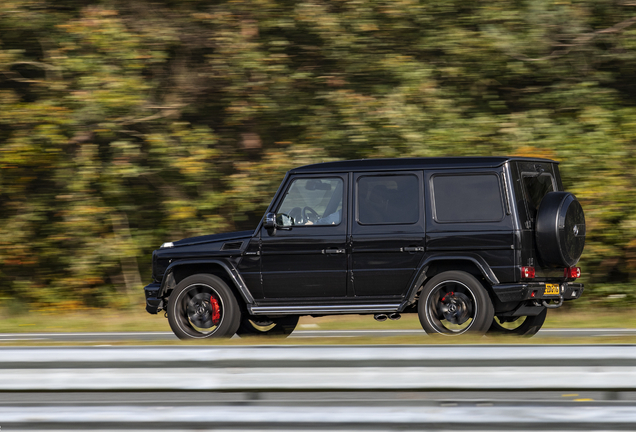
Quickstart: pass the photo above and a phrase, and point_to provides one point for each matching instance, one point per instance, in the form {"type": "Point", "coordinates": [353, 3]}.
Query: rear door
{"type": "Point", "coordinates": [387, 233]}
{"type": "Point", "coordinates": [535, 180]}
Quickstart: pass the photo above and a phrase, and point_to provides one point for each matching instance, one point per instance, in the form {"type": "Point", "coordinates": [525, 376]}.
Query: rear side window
{"type": "Point", "coordinates": [388, 200]}
{"type": "Point", "coordinates": [467, 198]}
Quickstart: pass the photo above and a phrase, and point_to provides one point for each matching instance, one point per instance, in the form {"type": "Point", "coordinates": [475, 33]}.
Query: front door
{"type": "Point", "coordinates": [307, 258]}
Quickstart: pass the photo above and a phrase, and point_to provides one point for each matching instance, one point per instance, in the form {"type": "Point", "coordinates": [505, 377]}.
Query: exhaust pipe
{"type": "Point", "coordinates": [380, 317]}
{"type": "Point", "coordinates": [395, 316]}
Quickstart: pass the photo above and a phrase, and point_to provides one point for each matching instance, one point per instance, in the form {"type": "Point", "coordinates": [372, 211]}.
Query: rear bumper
{"type": "Point", "coordinates": [153, 304]}
{"type": "Point", "coordinates": [535, 290]}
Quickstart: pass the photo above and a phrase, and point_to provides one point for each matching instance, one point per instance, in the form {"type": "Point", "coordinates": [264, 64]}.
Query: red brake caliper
{"type": "Point", "coordinates": [216, 310]}
{"type": "Point", "coordinates": [447, 294]}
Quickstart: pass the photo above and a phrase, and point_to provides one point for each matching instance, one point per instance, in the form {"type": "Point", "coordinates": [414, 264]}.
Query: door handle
{"type": "Point", "coordinates": [413, 249]}
{"type": "Point", "coordinates": [333, 251]}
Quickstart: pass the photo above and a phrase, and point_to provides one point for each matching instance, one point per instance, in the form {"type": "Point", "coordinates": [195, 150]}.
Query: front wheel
{"type": "Point", "coordinates": [454, 303]}
{"type": "Point", "coordinates": [265, 326]}
{"type": "Point", "coordinates": [522, 326]}
{"type": "Point", "coordinates": [203, 306]}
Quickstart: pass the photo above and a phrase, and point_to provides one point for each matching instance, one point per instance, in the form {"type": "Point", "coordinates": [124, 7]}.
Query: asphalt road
{"type": "Point", "coordinates": [162, 336]}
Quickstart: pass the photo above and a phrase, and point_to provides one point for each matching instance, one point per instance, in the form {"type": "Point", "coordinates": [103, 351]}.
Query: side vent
{"type": "Point", "coordinates": [232, 246]}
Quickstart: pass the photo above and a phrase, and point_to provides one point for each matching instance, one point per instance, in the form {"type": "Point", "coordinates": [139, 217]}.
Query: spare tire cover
{"type": "Point", "coordinates": [560, 229]}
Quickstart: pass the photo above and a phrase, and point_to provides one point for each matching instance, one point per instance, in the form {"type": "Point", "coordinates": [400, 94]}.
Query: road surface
{"type": "Point", "coordinates": [103, 337]}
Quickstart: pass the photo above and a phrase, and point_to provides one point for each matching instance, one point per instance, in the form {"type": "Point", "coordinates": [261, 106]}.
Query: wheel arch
{"type": "Point", "coordinates": [436, 264]}
{"type": "Point", "coordinates": [179, 270]}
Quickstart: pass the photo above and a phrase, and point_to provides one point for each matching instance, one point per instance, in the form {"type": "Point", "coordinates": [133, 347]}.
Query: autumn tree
{"type": "Point", "coordinates": [127, 124]}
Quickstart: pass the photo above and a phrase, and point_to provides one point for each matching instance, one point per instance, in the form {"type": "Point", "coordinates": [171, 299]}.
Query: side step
{"type": "Point", "coordinates": [329, 309]}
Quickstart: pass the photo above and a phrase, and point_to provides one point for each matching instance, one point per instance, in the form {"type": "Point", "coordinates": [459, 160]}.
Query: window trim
{"type": "Point", "coordinates": [471, 174]}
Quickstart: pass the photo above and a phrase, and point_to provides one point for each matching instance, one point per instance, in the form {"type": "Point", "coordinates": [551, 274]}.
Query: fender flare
{"type": "Point", "coordinates": [474, 258]}
{"type": "Point", "coordinates": [168, 280]}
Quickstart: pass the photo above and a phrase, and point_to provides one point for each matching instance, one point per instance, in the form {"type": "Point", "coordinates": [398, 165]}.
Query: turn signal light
{"type": "Point", "coordinates": [527, 272]}
{"type": "Point", "coordinates": [573, 272]}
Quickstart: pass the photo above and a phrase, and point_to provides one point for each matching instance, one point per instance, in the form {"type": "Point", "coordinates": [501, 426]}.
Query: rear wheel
{"type": "Point", "coordinates": [527, 326]}
{"type": "Point", "coordinates": [265, 326]}
{"type": "Point", "coordinates": [454, 303]}
{"type": "Point", "coordinates": [203, 306]}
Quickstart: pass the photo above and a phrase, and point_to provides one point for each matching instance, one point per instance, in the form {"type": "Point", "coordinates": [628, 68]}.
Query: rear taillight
{"type": "Point", "coordinates": [573, 272]}
{"type": "Point", "coordinates": [527, 272]}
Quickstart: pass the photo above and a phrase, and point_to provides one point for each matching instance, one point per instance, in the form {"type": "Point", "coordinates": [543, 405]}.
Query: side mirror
{"type": "Point", "coordinates": [284, 221]}
{"type": "Point", "coordinates": [269, 221]}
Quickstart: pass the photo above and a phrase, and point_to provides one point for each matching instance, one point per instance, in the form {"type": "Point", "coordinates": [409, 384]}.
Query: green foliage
{"type": "Point", "coordinates": [127, 124]}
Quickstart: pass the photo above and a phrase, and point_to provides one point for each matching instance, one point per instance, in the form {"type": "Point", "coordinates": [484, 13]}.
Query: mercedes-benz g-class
{"type": "Point", "coordinates": [471, 244]}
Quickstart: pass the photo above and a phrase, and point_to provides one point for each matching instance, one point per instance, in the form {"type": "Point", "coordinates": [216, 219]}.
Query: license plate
{"type": "Point", "coordinates": [551, 289]}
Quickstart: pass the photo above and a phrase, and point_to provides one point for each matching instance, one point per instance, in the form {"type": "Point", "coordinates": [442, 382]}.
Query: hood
{"type": "Point", "coordinates": [212, 238]}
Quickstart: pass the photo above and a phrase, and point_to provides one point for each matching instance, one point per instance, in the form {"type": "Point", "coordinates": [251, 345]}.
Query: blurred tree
{"type": "Point", "coordinates": [126, 124]}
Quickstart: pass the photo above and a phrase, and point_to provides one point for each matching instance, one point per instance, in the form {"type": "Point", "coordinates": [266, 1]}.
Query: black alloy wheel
{"type": "Point", "coordinates": [265, 326]}
{"type": "Point", "coordinates": [454, 303]}
{"type": "Point", "coordinates": [527, 326]}
{"type": "Point", "coordinates": [203, 306]}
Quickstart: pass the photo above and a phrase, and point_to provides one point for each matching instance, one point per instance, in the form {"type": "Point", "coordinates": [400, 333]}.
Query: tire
{"type": "Point", "coordinates": [191, 311]}
{"type": "Point", "coordinates": [455, 303]}
{"type": "Point", "coordinates": [527, 327]}
{"type": "Point", "coordinates": [265, 326]}
{"type": "Point", "coordinates": [560, 229]}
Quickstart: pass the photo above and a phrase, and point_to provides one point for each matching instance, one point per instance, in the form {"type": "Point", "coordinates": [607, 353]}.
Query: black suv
{"type": "Point", "coordinates": [473, 244]}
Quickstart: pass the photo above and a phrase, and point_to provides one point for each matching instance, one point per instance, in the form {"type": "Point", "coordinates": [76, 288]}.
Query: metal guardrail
{"type": "Point", "coordinates": [333, 418]}
{"type": "Point", "coordinates": [186, 356]}
{"type": "Point", "coordinates": [320, 368]}
{"type": "Point", "coordinates": [271, 368]}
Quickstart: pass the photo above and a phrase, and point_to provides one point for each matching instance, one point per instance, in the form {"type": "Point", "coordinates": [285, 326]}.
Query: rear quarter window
{"type": "Point", "coordinates": [467, 198]}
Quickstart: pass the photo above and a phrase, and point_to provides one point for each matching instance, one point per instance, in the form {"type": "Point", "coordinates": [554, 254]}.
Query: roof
{"type": "Point", "coordinates": [413, 163]}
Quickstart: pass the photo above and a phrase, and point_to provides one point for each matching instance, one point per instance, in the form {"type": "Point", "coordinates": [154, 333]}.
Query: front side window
{"type": "Point", "coordinates": [312, 201]}
{"type": "Point", "coordinates": [388, 199]}
{"type": "Point", "coordinates": [467, 198]}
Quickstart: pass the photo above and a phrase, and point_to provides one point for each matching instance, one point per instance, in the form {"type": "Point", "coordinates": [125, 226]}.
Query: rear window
{"type": "Point", "coordinates": [468, 198]}
{"type": "Point", "coordinates": [536, 187]}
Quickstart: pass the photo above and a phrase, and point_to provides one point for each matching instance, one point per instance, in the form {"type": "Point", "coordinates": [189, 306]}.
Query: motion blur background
{"type": "Point", "coordinates": [125, 124]}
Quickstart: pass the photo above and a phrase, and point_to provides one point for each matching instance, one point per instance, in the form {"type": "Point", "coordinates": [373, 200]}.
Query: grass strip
{"type": "Point", "coordinates": [137, 320]}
